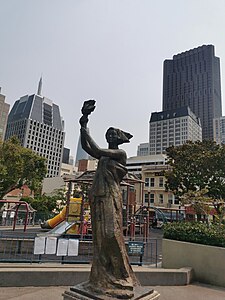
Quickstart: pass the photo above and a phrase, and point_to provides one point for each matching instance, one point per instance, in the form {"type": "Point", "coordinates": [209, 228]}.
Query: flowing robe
{"type": "Point", "coordinates": [110, 269]}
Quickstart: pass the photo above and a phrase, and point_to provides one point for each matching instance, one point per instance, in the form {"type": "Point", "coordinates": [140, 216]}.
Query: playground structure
{"type": "Point", "coordinates": [72, 213]}
{"type": "Point", "coordinates": [28, 211]}
{"type": "Point", "coordinates": [75, 216]}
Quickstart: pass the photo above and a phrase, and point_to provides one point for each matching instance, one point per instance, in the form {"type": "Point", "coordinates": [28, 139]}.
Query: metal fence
{"type": "Point", "coordinates": [20, 249]}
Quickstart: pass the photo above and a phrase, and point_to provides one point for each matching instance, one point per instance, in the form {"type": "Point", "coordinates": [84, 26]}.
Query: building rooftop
{"type": "Point", "coordinates": [172, 114]}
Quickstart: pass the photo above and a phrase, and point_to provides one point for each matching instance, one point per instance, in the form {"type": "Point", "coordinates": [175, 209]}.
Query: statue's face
{"type": "Point", "coordinates": [112, 136]}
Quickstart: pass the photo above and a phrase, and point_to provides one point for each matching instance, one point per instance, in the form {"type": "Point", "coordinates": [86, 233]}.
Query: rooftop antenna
{"type": "Point", "coordinates": [39, 86]}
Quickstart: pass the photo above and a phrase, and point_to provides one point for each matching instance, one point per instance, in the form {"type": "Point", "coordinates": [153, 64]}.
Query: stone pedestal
{"type": "Point", "coordinates": [140, 293]}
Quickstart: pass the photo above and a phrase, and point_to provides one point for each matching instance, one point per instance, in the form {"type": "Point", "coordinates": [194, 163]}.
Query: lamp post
{"type": "Point", "coordinates": [68, 195]}
{"type": "Point", "coordinates": [148, 213]}
{"type": "Point", "coordinates": [148, 200]}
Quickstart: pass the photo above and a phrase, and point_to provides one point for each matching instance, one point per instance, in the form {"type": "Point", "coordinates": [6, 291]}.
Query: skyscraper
{"type": "Point", "coordinates": [192, 78]}
{"type": "Point", "coordinates": [4, 110]}
{"type": "Point", "coordinates": [81, 154]}
{"type": "Point", "coordinates": [66, 155]}
{"type": "Point", "coordinates": [37, 122]}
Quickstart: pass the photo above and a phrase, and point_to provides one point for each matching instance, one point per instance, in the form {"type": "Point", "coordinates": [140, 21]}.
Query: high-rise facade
{"type": "Point", "coordinates": [173, 128]}
{"type": "Point", "coordinates": [81, 153]}
{"type": "Point", "coordinates": [219, 130]}
{"type": "Point", "coordinates": [37, 122]}
{"type": "Point", "coordinates": [192, 78]}
{"type": "Point", "coordinates": [66, 155]}
{"type": "Point", "coordinates": [4, 110]}
{"type": "Point", "coordinates": [143, 149]}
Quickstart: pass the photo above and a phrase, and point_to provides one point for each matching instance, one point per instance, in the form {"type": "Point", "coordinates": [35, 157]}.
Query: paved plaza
{"type": "Point", "coordinates": [188, 292]}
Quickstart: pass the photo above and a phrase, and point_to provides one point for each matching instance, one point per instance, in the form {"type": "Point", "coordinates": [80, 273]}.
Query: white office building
{"type": "Point", "coordinates": [135, 163]}
{"type": "Point", "coordinates": [173, 128]}
{"type": "Point", "coordinates": [143, 149]}
{"type": "Point", "coordinates": [219, 130]}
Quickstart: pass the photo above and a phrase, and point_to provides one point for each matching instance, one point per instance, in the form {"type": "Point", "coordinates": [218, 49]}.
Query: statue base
{"type": "Point", "coordinates": [140, 293]}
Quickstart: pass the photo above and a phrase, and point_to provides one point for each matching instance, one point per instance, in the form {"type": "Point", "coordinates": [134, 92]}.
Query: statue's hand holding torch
{"type": "Point", "coordinates": [87, 109]}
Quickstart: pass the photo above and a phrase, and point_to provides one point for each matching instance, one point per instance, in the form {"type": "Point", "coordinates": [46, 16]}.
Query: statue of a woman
{"type": "Point", "coordinates": [111, 273]}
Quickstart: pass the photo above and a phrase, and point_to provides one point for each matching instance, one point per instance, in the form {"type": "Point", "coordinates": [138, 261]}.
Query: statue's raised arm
{"type": "Point", "coordinates": [114, 137]}
{"type": "Point", "coordinates": [87, 142]}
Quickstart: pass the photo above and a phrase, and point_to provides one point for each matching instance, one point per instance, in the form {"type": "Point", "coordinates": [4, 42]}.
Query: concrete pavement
{"type": "Point", "coordinates": [194, 291]}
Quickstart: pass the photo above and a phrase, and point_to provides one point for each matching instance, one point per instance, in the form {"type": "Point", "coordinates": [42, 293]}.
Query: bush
{"type": "Point", "coordinates": [199, 233]}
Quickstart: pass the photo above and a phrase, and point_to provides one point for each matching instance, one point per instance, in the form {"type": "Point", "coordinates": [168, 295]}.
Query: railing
{"type": "Point", "coordinates": [21, 249]}
{"type": "Point", "coordinates": [18, 203]}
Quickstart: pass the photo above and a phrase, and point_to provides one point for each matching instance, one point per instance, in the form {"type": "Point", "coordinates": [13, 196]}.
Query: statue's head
{"type": "Point", "coordinates": [117, 136]}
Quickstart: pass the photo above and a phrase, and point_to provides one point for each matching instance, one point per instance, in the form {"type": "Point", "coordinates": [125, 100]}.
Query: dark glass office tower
{"type": "Point", "coordinates": [193, 78]}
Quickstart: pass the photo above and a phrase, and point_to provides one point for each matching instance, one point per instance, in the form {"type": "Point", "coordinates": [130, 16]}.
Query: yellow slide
{"type": "Point", "coordinates": [58, 218]}
{"type": "Point", "coordinates": [73, 215]}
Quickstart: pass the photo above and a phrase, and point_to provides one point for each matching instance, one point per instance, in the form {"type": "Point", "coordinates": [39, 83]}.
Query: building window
{"type": "Point", "coordinates": [176, 200]}
{"type": "Point", "coordinates": [161, 198]}
{"type": "Point", "coordinates": [152, 198]}
{"type": "Point", "coordinates": [161, 182]}
{"type": "Point", "coordinates": [147, 182]}
{"type": "Point", "coordinates": [170, 199]}
{"type": "Point", "coordinates": [152, 182]}
{"type": "Point", "coordinates": [149, 198]}
{"type": "Point", "coordinates": [146, 197]}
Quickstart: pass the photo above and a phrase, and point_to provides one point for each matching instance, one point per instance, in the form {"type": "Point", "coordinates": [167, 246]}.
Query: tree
{"type": "Point", "coordinates": [19, 166]}
{"type": "Point", "coordinates": [199, 201]}
{"type": "Point", "coordinates": [47, 203]}
{"type": "Point", "coordinates": [198, 166]}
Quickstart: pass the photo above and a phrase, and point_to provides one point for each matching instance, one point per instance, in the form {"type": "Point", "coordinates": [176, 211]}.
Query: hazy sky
{"type": "Point", "coordinates": [108, 50]}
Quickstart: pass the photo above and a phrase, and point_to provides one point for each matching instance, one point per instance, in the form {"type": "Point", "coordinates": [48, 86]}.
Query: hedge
{"type": "Point", "coordinates": [200, 233]}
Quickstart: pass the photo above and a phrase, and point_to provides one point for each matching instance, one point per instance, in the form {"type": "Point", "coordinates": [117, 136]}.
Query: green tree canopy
{"type": "Point", "coordinates": [196, 166]}
{"type": "Point", "coordinates": [47, 203]}
{"type": "Point", "coordinates": [18, 166]}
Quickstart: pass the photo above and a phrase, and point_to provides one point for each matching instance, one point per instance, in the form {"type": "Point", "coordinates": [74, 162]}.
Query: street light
{"type": "Point", "coordinates": [148, 200]}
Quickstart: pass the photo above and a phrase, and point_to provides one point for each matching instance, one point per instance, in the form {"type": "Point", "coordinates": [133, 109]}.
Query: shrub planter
{"type": "Point", "coordinates": [208, 262]}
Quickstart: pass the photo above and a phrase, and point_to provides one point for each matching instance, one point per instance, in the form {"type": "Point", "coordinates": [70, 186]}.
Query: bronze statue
{"type": "Point", "coordinates": [111, 273]}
